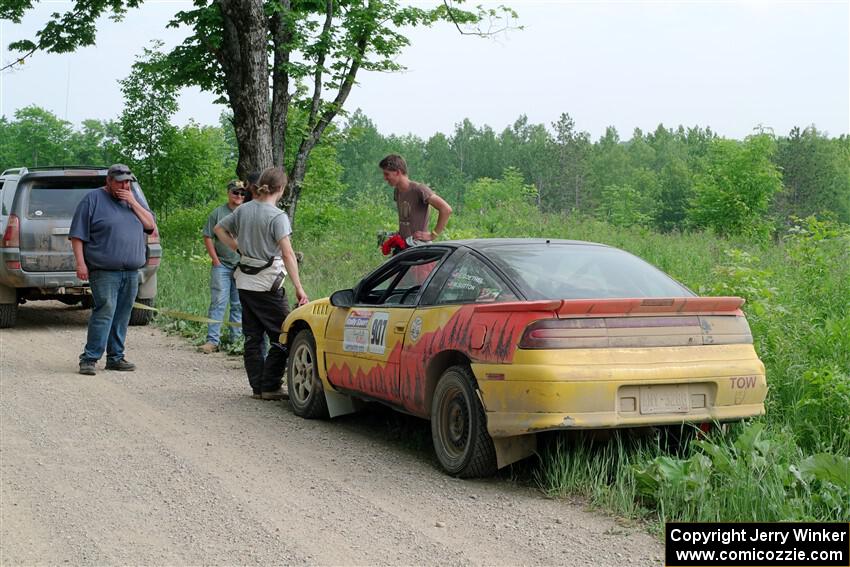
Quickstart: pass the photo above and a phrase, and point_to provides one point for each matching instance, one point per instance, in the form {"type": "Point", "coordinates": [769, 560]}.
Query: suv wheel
{"type": "Point", "coordinates": [8, 315]}
{"type": "Point", "coordinates": [142, 316]}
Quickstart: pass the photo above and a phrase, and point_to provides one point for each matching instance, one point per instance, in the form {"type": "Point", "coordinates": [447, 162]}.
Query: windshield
{"type": "Point", "coordinates": [575, 271]}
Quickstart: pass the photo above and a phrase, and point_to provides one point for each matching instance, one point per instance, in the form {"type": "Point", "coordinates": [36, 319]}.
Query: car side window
{"type": "Point", "coordinates": [473, 282]}
{"type": "Point", "coordinates": [401, 285]}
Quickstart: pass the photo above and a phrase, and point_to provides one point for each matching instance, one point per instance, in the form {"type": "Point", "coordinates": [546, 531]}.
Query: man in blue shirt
{"type": "Point", "coordinates": [108, 238]}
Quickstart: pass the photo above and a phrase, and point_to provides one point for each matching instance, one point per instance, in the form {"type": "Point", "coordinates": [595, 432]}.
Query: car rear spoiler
{"type": "Point", "coordinates": [566, 308]}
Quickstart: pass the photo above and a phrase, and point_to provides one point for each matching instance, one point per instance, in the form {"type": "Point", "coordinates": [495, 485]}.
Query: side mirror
{"type": "Point", "coordinates": [342, 298]}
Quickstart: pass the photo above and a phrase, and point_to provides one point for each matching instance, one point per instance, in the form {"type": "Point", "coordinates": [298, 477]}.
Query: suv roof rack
{"type": "Point", "coordinates": [24, 170]}
{"type": "Point", "coordinates": [60, 167]}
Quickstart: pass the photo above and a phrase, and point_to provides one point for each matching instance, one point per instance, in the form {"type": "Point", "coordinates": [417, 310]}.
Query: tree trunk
{"type": "Point", "coordinates": [282, 36]}
{"type": "Point", "coordinates": [245, 64]}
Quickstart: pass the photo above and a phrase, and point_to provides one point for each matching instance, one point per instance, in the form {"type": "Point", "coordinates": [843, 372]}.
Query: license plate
{"type": "Point", "coordinates": [664, 399]}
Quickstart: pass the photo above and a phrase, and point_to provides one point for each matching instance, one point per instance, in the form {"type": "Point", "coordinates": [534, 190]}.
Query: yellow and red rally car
{"type": "Point", "coordinates": [494, 340]}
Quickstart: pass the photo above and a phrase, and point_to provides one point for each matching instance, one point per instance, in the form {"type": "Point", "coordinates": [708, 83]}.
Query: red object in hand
{"type": "Point", "coordinates": [394, 242]}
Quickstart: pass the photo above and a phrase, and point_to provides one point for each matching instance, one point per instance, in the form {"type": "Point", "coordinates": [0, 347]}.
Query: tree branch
{"type": "Point", "coordinates": [19, 60]}
{"type": "Point", "coordinates": [320, 63]}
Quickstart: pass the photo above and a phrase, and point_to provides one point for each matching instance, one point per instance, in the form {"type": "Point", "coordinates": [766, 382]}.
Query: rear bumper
{"type": "Point", "coordinates": [596, 389]}
{"type": "Point", "coordinates": [505, 424]}
{"type": "Point", "coordinates": [67, 283]}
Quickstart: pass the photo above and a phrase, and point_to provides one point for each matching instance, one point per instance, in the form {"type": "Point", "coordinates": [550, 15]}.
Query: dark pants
{"type": "Point", "coordinates": [263, 313]}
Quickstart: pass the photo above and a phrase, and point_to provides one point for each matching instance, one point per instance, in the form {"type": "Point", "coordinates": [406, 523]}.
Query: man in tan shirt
{"type": "Point", "coordinates": [413, 200]}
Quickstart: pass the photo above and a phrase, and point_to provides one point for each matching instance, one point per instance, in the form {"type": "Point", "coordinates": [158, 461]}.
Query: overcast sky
{"type": "Point", "coordinates": [730, 65]}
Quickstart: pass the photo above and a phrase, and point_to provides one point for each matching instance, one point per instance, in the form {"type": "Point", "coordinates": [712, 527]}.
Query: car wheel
{"type": "Point", "coordinates": [306, 393]}
{"type": "Point", "coordinates": [459, 426]}
{"type": "Point", "coordinates": [8, 315]}
{"type": "Point", "coordinates": [140, 317]}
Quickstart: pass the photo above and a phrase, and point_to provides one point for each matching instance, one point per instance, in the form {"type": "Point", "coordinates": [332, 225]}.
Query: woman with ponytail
{"type": "Point", "coordinates": [260, 232]}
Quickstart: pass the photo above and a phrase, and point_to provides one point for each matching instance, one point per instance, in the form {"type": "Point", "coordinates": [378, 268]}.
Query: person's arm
{"type": "Point", "coordinates": [82, 269]}
{"type": "Point", "coordinates": [225, 237]}
{"type": "Point", "coordinates": [291, 264]}
{"type": "Point", "coordinates": [210, 246]}
{"type": "Point", "coordinates": [444, 212]}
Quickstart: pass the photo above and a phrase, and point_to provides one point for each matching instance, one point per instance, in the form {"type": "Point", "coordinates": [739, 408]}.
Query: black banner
{"type": "Point", "coordinates": [757, 544]}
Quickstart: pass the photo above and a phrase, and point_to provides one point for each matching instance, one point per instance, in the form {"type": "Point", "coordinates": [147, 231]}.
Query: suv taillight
{"type": "Point", "coordinates": [153, 238]}
{"type": "Point", "coordinates": [12, 236]}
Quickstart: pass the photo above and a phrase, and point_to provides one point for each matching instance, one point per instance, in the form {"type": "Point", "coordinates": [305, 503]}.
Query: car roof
{"type": "Point", "coordinates": [52, 171]}
{"type": "Point", "coordinates": [487, 244]}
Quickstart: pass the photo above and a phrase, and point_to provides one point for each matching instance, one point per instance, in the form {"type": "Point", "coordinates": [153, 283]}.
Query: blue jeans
{"type": "Point", "coordinates": [113, 293]}
{"type": "Point", "coordinates": [222, 290]}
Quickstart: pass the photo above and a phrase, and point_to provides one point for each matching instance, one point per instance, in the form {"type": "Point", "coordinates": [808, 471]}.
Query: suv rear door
{"type": "Point", "coordinates": [46, 206]}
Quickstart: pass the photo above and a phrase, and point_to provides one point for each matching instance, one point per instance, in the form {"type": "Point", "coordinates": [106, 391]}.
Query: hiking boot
{"type": "Point", "coordinates": [279, 394]}
{"type": "Point", "coordinates": [122, 365]}
{"type": "Point", "coordinates": [208, 348]}
{"type": "Point", "coordinates": [88, 368]}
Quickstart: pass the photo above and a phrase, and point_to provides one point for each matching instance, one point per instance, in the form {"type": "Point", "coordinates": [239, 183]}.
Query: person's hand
{"type": "Point", "coordinates": [125, 194]}
{"type": "Point", "coordinates": [216, 262]}
{"type": "Point", "coordinates": [302, 297]}
{"type": "Point", "coordinates": [83, 272]}
{"type": "Point", "coordinates": [425, 235]}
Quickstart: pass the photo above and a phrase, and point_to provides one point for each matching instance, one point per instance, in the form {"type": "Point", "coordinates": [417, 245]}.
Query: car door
{"type": "Point", "coordinates": [364, 343]}
{"type": "Point", "coordinates": [443, 321]}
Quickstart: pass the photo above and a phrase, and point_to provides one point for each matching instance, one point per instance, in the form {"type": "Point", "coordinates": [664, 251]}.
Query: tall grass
{"type": "Point", "coordinates": [792, 464]}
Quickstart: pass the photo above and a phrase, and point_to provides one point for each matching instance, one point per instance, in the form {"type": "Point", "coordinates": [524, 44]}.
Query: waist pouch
{"type": "Point", "coordinates": [257, 275]}
{"type": "Point", "coordinates": [254, 270]}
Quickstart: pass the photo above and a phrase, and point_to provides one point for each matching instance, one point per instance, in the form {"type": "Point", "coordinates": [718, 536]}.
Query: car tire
{"type": "Point", "coordinates": [459, 426]}
{"type": "Point", "coordinates": [139, 317]}
{"type": "Point", "coordinates": [306, 392]}
{"type": "Point", "coordinates": [8, 315]}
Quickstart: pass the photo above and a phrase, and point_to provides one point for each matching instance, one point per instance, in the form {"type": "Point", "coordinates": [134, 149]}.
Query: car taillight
{"type": "Point", "coordinates": [12, 235]}
{"type": "Point", "coordinates": [153, 238]}
{"type": "Point", "coordinates": [565, 333]}
{"type": "Point", "coordinates": [636, 332]}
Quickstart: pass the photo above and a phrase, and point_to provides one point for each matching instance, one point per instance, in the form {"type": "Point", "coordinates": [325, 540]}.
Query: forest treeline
{"type": "Point", "coordinates": [670, 179]}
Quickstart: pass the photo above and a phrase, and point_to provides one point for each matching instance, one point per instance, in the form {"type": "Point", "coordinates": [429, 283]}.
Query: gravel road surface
{"type": "Point", "coordinates": [175, 464]}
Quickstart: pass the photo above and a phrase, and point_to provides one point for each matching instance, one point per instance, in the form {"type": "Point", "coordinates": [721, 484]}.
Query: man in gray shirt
{"type": "Point", "coordinates": [222, 285]}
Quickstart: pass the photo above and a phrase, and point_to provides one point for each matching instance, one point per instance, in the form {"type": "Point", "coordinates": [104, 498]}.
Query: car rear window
{"type": "Point", "coordinates": [58, 198]}
{"type": "Point", "coordinates": [574, 271]}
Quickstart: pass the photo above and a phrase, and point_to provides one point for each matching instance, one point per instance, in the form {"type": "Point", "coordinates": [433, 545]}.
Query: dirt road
{"type": "Point", "coordinates": [175, 464]}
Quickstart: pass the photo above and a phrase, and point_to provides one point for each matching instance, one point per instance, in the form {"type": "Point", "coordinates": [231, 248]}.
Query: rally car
{"type": "Point", "coordinates": [495, 340]}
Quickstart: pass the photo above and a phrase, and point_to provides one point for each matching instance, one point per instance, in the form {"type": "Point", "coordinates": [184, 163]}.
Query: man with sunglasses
{"type": "Point", "coordinates": [108, 237]}
{"type": "Point", "coordinates": [222, 285]}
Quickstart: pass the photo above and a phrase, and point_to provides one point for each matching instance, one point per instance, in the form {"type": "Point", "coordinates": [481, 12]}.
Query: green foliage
{"type": "Point", "coordinates": [732, 196]}
{"type": "Point", "coordinates": [739, 277]}
{"type": "Point", "coordinates": [500, 204]}
{"type": "Point", "coordinates": [824, 396]}
{"type": "Point", "coordinates": [621, 206]}
{"type": "Point", "coordinates": [323, 204]}
{"type": "Point", "coordinates": [760, 476]}
{"type": "Point", "coordinates": [815, 174]}
{"type": "Point", "coordinates": [194, 168]}
{"type": "Point", "coordinates": [146, 131]}
{"type": "Point", "coordinates": [37, 138]}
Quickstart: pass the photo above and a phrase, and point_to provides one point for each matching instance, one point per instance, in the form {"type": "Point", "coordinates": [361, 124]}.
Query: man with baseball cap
{"type": "Point", "coordinates": [222, 285]}
{"type": "Point", "coordinates": [108, 236]}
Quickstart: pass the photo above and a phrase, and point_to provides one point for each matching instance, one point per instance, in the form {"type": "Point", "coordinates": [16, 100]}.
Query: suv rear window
{"type": "Point", "coordinates": [58, 198]}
